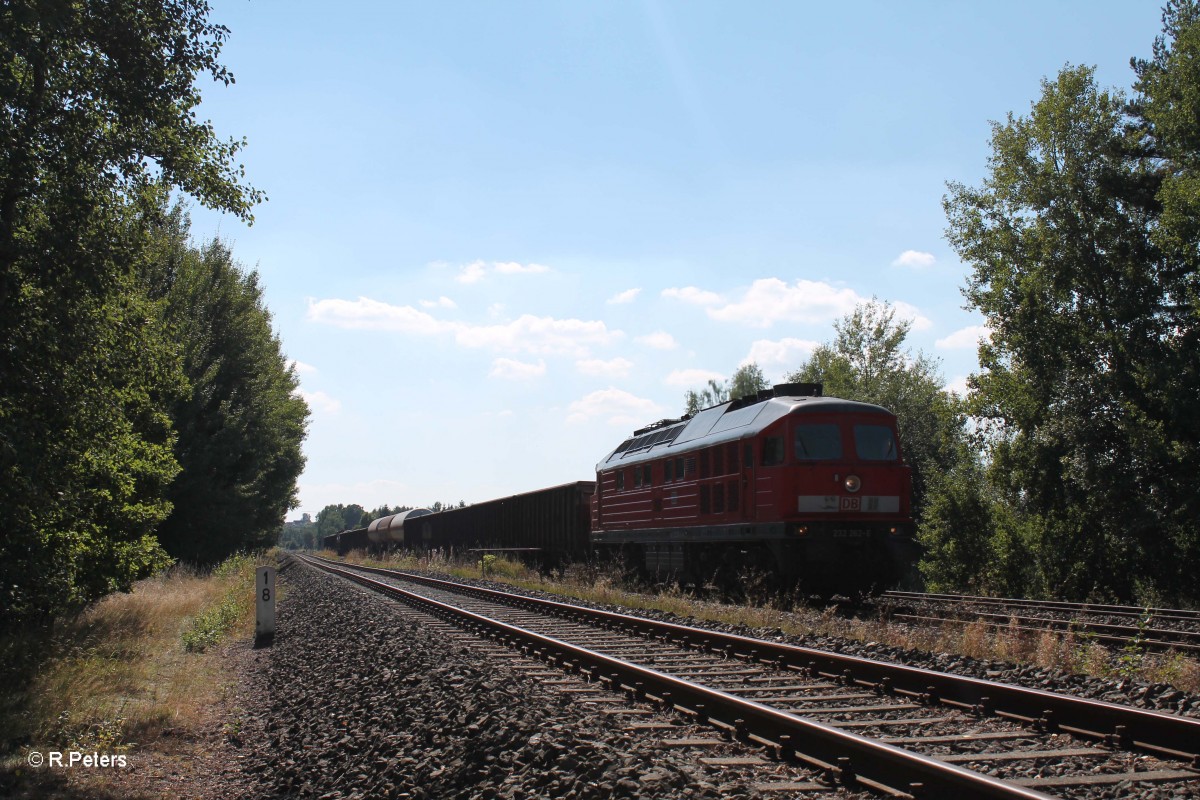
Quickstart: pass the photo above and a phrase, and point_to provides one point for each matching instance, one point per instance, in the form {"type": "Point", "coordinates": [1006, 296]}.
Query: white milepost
{"type": "Point", "coordinates": [265, 592]}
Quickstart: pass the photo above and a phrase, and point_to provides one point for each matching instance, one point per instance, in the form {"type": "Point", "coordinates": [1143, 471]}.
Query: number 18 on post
{"type": "Point", "coordinates": [264, 627]}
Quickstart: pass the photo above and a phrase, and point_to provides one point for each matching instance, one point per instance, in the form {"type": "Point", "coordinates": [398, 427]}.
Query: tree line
{"type": "Point", "coordinates": [1069, 470]}
{"type": "Point", "coordinates": [147, 411]}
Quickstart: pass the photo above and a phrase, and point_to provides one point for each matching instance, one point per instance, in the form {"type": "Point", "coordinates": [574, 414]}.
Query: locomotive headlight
{"type": "Point", "coordinates": [852, 483]}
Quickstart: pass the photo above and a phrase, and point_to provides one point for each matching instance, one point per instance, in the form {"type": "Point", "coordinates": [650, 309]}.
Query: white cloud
{"type": "Point", "coordinates": [689, 378]}
{"type": "Point", "coordinates": [542, 335]}
{"type": "Point", "coordinates": [509, 369]}
{"type": "Point", "coordinates": [302, 368]}
{"type": "Point", "coordinates": [513, 268]}
{"type": "Point", "coordinates": [958, 386]}
{"type": "Point", "coordinates": [527, 333]}
{"type": "Point", "coordinates": [965, 338]}
{"type": "Point", "coordinates": [626, 296]}
{"type": "Point", "coordinates": [690, 294]}
{"type": "Point", "coordinates": [613, 368]}
{"type": "Point", "coordinates": [916, 259]}
{"type": "Point", "coordinates": [784, 353]}
{"type": "Point", "coordinates": [478, 270]}
{"type": "Point", "coordinates": [472, 273]}
{"type": "Point", "coordinates": [441, 302]}
{"type": "Point", "coordinates": [770, 300]}
{"type": "Point", "coordinates": [367, 314]}
{"type": "Point", "coordinates": [659, 340]}
{"type": "Point", "coordinates": [616, 406]}
{"type": "Point", "coordinates": [320, 402]}
{"type": "Point", "coordinates": [907, 311]}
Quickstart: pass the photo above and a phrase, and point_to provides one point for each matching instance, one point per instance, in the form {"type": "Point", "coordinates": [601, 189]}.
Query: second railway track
{"type": "Point", "coordinates": [855, 722]}
{"type": "Point", "coordinates": [1157, 629]}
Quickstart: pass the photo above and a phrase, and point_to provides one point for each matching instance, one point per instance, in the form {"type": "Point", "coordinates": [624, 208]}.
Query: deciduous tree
{"type": "Point", "coordinates": [1081, 241]}
{"type": "Point", "coordinates": [98, 116]}
{"type": "Point", "coordinates": [241, 424]}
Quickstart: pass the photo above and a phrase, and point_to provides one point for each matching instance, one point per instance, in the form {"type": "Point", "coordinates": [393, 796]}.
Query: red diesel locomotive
{"type": "Point", "coordinates": [809, 488]}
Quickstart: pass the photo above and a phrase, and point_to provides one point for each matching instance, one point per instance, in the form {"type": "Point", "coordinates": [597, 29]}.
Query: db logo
{"type": "Point", "coordinates": [850, 503]}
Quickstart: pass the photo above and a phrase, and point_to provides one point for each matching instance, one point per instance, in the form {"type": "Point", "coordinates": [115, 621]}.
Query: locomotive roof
{"type": "Point", "coordinates": [726, 422]}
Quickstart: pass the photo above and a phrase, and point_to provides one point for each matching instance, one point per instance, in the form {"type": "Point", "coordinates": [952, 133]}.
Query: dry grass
{"type": "Point", "coordinates": [977, 639]}
{"type": "Point", "coordinates": [117, 675]}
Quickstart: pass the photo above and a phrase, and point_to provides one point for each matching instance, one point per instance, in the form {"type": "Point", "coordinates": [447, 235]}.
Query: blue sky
{"type": "Point", "coordinates": [500, 236]}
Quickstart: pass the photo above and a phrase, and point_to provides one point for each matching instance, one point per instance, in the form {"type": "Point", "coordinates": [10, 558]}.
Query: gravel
{"type": "Point", "coordinates": [355, 699]}
{"type": "Point", "coordinates": [1120, 690]}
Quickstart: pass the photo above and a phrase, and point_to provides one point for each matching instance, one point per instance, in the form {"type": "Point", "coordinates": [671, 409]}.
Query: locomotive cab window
{"type": "Point", "coordinates": [875, 443]}
{"type": "Point", "coordinates": [772, 451]}
{"type": "Point", "coordinates": [818, 442]}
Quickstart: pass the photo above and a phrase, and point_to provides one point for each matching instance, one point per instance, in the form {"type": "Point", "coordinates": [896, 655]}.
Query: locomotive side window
{"type": "Point", "coordinates": [620, 479]}
{"type": "Point", "coordinates": [637, 477]}
{"type": "Point", "coordinates": [668, 471]}
{"type": "Point", "coordinates": [718, 461]}
{"type": "Point", "coordinates": [874, 443]}
{"type": "Point", "coordinates": [772, 451]}
{"type": "Point", "coordinates": [646, 473]}
{"type": "Point", "coordinates": [679, 468]}
{"type": "Point", "coordinates": [748, 461]}
{"type": "Point", "coordinates": [818, 442]}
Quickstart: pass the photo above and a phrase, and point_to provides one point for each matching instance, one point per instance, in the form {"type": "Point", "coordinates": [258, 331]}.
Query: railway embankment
{"type": "Point", "coordinates": [355, 698]}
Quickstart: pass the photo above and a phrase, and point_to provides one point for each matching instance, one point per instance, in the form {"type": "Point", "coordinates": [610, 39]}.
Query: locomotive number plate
{"type": "Point", "coordinates": [843, 533]}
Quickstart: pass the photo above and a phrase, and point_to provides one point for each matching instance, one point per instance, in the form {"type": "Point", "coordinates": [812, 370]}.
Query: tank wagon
{"type": "Point", "coordinates": [807, 487]}
{"type": "Point", "coordinates": [391, 530]}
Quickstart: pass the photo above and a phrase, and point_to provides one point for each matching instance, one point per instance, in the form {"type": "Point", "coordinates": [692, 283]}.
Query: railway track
{"type": "Point", "coordinates": [840, 720]}
{"type": "Point", "coordinates": [1151, 629]}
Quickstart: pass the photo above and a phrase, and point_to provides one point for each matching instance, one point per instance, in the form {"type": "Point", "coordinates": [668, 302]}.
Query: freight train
{"type": "Point", "coordinates": [811, 489]}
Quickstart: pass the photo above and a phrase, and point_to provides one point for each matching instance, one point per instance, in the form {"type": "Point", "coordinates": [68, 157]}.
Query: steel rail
{"type": "Point", "coordinates": [1167, 735]}
{"type": "Point", "coordinates": [1159, 639]}
{"type": "Point", "coordinates": [1182, 614]}
{"type": "Point", "coordinates": [852, 758]}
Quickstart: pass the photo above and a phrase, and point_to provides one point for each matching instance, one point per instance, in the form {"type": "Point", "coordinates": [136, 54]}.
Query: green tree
{"type": "Point", "coordinates": [1082, 265]}
{"type": "Point", "coordinates": [336, 518]}
{"type": "Point", "coordinates": [747, 380]}
{"type": "Point", "coordinates": [241, 425]}
{"type": "Point", "coordinates": [867, 361]}
{"type": "Point", "coordinates": [97, 123]}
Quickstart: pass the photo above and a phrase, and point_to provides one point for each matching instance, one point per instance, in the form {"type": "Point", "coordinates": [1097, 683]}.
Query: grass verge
{"type": "Point", "coordinates": [128, 670]}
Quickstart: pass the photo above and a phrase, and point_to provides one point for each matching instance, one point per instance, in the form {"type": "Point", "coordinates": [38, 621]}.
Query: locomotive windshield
{"type": "Point", "coordinates": [818, 442]}
{"type": "Point", "coordinates": [875, 443]}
